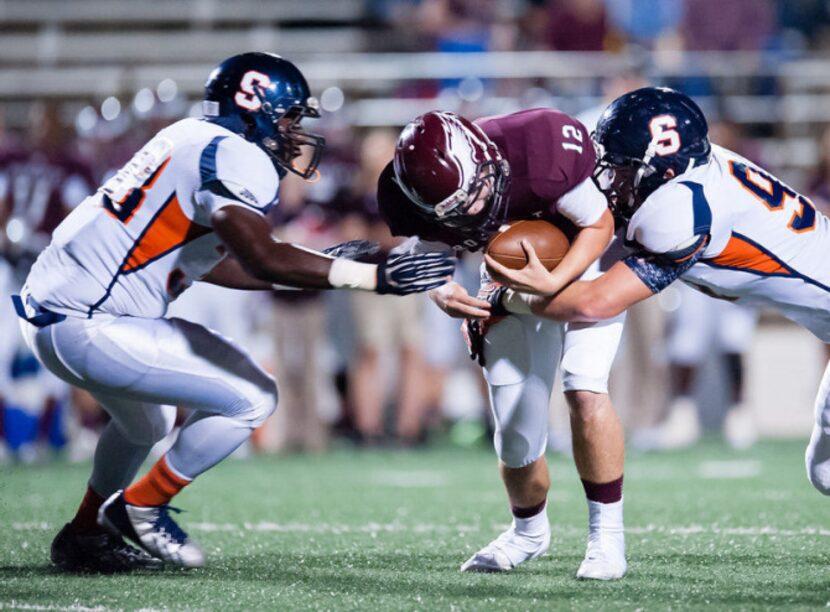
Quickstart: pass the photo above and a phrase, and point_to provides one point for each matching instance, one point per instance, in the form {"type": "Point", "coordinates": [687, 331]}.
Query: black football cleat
{"type": "Point", "coordinates": [103, 553]}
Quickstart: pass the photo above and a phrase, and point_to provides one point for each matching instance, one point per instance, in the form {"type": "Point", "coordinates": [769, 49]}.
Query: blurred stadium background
{"type": "Point", "coordinates": [84, 83]}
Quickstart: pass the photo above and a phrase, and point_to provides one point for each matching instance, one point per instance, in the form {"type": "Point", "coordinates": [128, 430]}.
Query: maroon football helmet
{"type": "Point", "coordinates": [442, 163]}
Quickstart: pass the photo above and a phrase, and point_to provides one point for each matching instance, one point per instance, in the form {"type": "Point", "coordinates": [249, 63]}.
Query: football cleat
{"type": "Point", "coordinates": [604, 558]}
{"type": "Point", "coordinates": [507, 551]}
{"type": "Point", "coordinates": [105, 553]}
{"type": "Point", "coordinates": [152, 528]}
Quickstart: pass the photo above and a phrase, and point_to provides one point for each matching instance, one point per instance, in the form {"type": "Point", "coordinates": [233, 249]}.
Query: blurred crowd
{"type": "Point", "coordinates": [604, 25]}
{"type": "Point", "coordinates": [385, 371]}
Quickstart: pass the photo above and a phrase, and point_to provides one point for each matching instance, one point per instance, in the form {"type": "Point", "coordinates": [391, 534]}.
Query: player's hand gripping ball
{"type": "Point", "coordinates": [549, 242]}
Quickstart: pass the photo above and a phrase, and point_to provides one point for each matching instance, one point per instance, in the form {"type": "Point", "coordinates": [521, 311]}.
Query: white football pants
{"type": "Point", "coordinates": [140, 370]}
{"type": "Point", "coordinates": [522, 353]}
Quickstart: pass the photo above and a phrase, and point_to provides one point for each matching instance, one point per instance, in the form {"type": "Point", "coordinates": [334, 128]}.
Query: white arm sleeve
{"type": "Point", "coordinates": [234, 172]}
{"type": "Point", "coordinates": [583, 205]}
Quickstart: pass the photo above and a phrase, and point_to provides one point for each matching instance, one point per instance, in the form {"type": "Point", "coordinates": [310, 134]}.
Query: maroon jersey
{"type": "Point", "coordinates": [549, 154]}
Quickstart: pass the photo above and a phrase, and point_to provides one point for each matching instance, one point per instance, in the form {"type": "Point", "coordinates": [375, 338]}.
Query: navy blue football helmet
{"type": "Point", "coordinates": [263, 98]}
{"type": "Point", "coordinates": [644, 139]}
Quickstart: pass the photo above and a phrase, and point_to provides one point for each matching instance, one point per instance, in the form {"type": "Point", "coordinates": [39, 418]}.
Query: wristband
{"type": "Point", "coordinates": [348, 274]}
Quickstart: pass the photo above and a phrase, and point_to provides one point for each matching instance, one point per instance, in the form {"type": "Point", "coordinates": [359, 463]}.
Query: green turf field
{"type": "Point", "coordinates": [387, 531]}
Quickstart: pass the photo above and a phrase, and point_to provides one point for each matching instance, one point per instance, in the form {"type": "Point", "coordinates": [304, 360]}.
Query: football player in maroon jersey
{"type": "Point", "coordinates": [456, 182]}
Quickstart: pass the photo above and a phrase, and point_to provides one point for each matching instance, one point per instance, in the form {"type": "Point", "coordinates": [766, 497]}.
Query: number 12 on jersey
{"type": "Point", "coordinates": [774, 194]}
{"type": "Point", "coordinates": [573, 133]}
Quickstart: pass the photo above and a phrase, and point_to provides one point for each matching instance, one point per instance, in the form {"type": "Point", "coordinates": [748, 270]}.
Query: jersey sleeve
{"type": "Point", "coordinates": [583, 205]}
{"type": "Point", "coordinates": [234, 173]}
{"type": "Point", "coordinates": [562, 153]}
{"type": "Point", "coordinates": [671, 233]}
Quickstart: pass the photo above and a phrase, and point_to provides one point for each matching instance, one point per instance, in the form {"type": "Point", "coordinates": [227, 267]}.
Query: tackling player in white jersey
{"type": "Point", "coordinates": [189, 206]}
{"type": "Point", "coordinates": [702, 214]}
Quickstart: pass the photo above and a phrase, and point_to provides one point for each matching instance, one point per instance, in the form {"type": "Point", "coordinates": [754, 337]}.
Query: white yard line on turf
{"type": "Point", "coordinates": [462, 529]}
{"type": "Point", "coordinates": [410, 479]}
{"type": "Point", "coordinates": [726, 470]}
{"type": "Point", "coordinates": [19, 605]}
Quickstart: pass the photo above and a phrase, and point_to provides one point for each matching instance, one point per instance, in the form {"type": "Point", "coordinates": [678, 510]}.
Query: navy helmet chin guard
{"type": "Point", "coordinates": [644, 139]}
{"type": "Point", "coordinates": [263, 98]}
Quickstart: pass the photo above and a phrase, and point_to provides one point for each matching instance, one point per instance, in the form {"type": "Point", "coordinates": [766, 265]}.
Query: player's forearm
{"type": "Point", "coordinates": [590, 243]}
{"type": "Point", "coordinates": [577, 302]}
{"type": "Point", "coordinates": [230, 273]}
{"type": "Point", "coordinates": [585, 301]}
{"type": "Point", "coordinates": [296, 266]}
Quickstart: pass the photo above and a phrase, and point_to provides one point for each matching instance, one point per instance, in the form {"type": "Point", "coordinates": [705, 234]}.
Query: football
{"type": "Point", "coordinates": [549, 242]}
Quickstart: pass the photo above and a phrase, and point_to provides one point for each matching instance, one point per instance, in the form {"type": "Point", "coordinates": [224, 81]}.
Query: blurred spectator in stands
{"type": "Point", "coordinates": [645, 22]}
{"type": "Point", "coordinates": [803, 21]}
{"type": "Point", "coordinates": [454, 386]}
{"type": "Point", "coordinates": [457, 25]}
{"type": "Point", "coordinates": [577, 25]}
{"type": "Point", "coordinates": [731, 25]}
{"type": "Point", "coordinates": [384, 327]}
{"type": "Point", "coordinates": [297, 323]}
{"type": "Point", "coordinates": [819, 182]}
{"type": "Point", "coordinates": [41, 180]}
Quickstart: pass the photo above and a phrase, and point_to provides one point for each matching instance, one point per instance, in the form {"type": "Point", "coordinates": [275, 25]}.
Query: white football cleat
{"type": "Point", "coordinates": [604, 558]}
{"type": "Point", "coordinates": [507, 551]}
{"type": "Point", "coordinates": [152, 528]}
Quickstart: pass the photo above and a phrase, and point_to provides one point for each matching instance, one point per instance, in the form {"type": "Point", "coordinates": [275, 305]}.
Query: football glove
{"type": "Point", "coordinates": [475, 330]}
{"type": "Point", "coordinates": [414, 273]}
{"type": "Point", "coordinates": [352, 249]}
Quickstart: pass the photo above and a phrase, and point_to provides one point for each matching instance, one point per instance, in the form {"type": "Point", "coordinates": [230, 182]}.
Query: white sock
{"type": "Point", "coordinates": [605, 517]}
{"type": "Point", "coordinates": [533, 525]}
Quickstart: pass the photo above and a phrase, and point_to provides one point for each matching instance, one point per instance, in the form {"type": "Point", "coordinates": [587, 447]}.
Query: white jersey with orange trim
{"type": "Point", "coordinates": [767, 245]}
{"type": "Point", "coordinates": [146, 234]}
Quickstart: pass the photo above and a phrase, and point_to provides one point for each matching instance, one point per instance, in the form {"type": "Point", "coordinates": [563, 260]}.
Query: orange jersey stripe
{"type": "Point", "coordinates": [741, 254]}
{"type": "Point", "coordinates": [169, 230]}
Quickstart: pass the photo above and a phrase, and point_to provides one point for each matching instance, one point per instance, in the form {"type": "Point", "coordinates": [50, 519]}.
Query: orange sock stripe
{"type": "Point", "coordinates": [157, 487]}
{"type": "Point", "coordinates": [181, 481]}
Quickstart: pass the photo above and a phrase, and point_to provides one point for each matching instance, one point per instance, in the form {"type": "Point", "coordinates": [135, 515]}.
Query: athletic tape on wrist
{"type": "Point", "coordinates": [348, 274]}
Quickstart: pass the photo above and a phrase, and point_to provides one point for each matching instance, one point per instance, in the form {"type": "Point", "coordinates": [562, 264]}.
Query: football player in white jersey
{"type": "Point", "coordinates": [190, 205]}
{"type": "Point", "coordinates": [700, 213]}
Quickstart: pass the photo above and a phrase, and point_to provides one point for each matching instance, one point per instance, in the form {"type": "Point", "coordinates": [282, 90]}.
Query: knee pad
{"type": "Point", "coordinates": [520, 413]}
{"type": "Point", "coordinates": [258, 406]}
{"type": "Point", "coordinates": [516, 450]}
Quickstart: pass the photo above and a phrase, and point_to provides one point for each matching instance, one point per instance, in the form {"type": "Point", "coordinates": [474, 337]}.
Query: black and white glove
{"type": "Point", "coordinates": [475, 330]}
{"type": "Point", "coordinates": [414, 273]}
{"type": "Point", "coordinates": [352, 249]}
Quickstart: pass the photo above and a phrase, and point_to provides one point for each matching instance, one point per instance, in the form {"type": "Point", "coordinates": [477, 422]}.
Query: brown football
{"type": "Point", "coordinates": [549, 242]}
